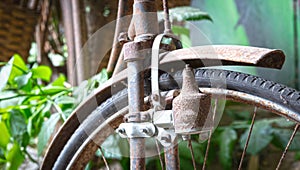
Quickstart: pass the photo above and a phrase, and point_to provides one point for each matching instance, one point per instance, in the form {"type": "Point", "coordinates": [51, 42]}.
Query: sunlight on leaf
{"type": "Point", "coordinates": [23, 79]}
{"type": "Point", "coordinates": [59, 81]}
{"type": "Point", "coordinates": [42, 72]}
{"type": "Point", "coordinates": [14, 156]}
{"type": "Point", "coordinates": [19, 68]}
{"type": "Point", "coordinates": [5, 72]}
{"type": "Point", "coordinates": [4, 139]}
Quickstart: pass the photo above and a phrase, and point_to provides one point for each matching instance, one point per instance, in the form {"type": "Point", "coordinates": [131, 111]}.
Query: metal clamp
{"type": "Point", "coordinates": [137, 130]}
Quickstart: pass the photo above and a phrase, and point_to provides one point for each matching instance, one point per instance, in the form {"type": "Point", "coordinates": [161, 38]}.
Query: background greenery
{"type": "Point", "coordinates": [267, 23]}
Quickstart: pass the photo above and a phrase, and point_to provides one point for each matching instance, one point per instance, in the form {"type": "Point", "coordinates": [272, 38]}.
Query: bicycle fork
{"type": "Point", "coordinates": [140, 125]}
{"type": "Point", "coordinates": [145, 26]}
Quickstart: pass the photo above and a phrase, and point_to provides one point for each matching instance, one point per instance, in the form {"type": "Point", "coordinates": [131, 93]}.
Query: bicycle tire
{"type": "Point", "coordinates": [277, 94]}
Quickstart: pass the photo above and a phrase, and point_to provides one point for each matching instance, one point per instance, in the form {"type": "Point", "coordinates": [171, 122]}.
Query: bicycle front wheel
{"type": "Point", "coordinates": [240, 87]}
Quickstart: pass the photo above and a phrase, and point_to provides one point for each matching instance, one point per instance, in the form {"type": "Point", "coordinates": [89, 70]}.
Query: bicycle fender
{"type": "Point", "coordinates": [215, 55]}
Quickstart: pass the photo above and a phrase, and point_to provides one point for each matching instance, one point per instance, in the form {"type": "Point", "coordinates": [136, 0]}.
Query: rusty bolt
{"type": "Point", "coordinates": [145, 116]}
{"type": "Point", "coordinates": [166, 138]}
{"type": "Point", "coordinates": [145, 131]}
{"type": "Point", "coordinates": [155, 97]}
{"type": "Point", "coordinates": [122, 131]}
{"type": "Point", "coordinates": [123, 38]}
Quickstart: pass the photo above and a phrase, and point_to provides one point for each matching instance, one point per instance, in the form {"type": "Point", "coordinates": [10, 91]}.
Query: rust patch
{"type": "Point", "coordinates": [191, 108]}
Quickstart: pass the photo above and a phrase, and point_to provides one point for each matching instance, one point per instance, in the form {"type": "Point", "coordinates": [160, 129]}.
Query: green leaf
{"type": "Point", "coordinates": [99, 79]}
{"type": "Point", "coordinates": [35, 121]}
{"type": "Point", "coordinates": [23, 79]}
{"type": "Point", "coordinates": [282, 136]}
{"type": "Point", "coordinates": [5, 73]}
{"type": "Point", "coordinates": [19, 68]}
{"type": "Point", "coordinates": [4, 139]}
{"type": "Point", "coordinates": [42, 72]}
{"type": "Point", "coordinates": [46, 110]}
{"type": "Point", "coordinates": [184, 35]}
{"type": "Point", "coordinates": [14, 156]}
{"type": "Point", "coordinates": [227, 141]}
{"type": "Point", "coordinates": [65, 100]}
{"type": "Point", "coordinates": [261, 136]}
{"type": "Point", "coordinates": [53, 89]}
{"type": "Point", "coordinates": [282, 122]}
{"type": "Point", "coordinates": [46, 131]}
{"type": "Point", "coordinates": [59, 81]}
{"type": "Point", "coordinates": [89, 166]}
{"type": "Point", "coordinates": [180, 30]}
{"type": "Point", "coordinates": [8, 102]}
{"type": "Point", "coordinates": [187, 13]}
{"type": "Point", "coordinates": [18, 125]}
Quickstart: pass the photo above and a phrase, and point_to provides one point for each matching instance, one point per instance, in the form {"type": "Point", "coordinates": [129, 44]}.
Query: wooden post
{"type": "Point", "coordinates": [66, 6]}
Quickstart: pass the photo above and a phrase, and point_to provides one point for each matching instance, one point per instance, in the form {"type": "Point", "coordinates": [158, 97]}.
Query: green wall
{"type": "Point", "coordinates": [262, 23]}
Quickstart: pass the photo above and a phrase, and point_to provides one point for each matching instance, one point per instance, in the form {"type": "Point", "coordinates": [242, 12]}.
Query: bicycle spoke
{"type": "Point", "coordinates": [210, 134]}
{"type": "Point", "coordinates": [248, 138]}
{"type": "Point", "coordinates": [104, 159]}
{"type": "Point", "coordinates": [190, 146]}
{"type": "Point", "coordinates": [159, 155]}
{"type": "Point", "coordinates": [287, 146]}
{"type": "Point", "coordinates": [207, 149]}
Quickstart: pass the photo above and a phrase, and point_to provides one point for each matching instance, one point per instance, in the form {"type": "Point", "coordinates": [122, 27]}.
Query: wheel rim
{"type": "Point", "coordinates": [88, 148]}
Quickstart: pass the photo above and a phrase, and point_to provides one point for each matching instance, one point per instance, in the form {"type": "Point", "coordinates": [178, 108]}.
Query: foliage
{"type": "Point", "coordinates": [227, 140]}
{"type": "Point", "coordinates": [179, 15]}
{"type": "Point", "coordinates": [186, 13]}
{"type": "Point", "coordinates": [265, 131]}
{"type": "Point", "coordinates": [25, 105]}
{"type": "Point", "coordinates": [31, 106]}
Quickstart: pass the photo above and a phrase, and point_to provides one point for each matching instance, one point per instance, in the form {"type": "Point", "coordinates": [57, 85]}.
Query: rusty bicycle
{"type": "Point", "coordinates": [165, 94]}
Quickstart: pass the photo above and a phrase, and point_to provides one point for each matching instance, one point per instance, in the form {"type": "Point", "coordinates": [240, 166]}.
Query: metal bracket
{"type": "Point", "coordinates": [162, 128]}
{"type": "Point", "coordinates": [166, 137]}
{"type": "Point", "coordinates": [163, 119]}
{"type": "Point", "coordinates": [137, 130]}
{"type": "Point", "coordinates": [156, 97]}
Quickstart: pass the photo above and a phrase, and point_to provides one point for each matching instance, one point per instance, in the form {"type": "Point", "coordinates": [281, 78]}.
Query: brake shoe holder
{"type": "Point", "coordinates": [157, 101]}
{"type": "Point", "coordinates": [156, 128]}
{"type": "Point", "coordinates": [162, 118]}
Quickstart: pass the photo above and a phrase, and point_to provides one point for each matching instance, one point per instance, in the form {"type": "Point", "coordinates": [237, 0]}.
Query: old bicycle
{"type": "Point", "coordinates": [151, 104]}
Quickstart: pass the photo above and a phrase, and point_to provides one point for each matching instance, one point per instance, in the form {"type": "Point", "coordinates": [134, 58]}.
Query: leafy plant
{"type": "Point", "coordinates": [31, 106]}
{"type": "Point", "coordinates": [266, 131]}
{"type": "Point", "coordinates": [25, 105]}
